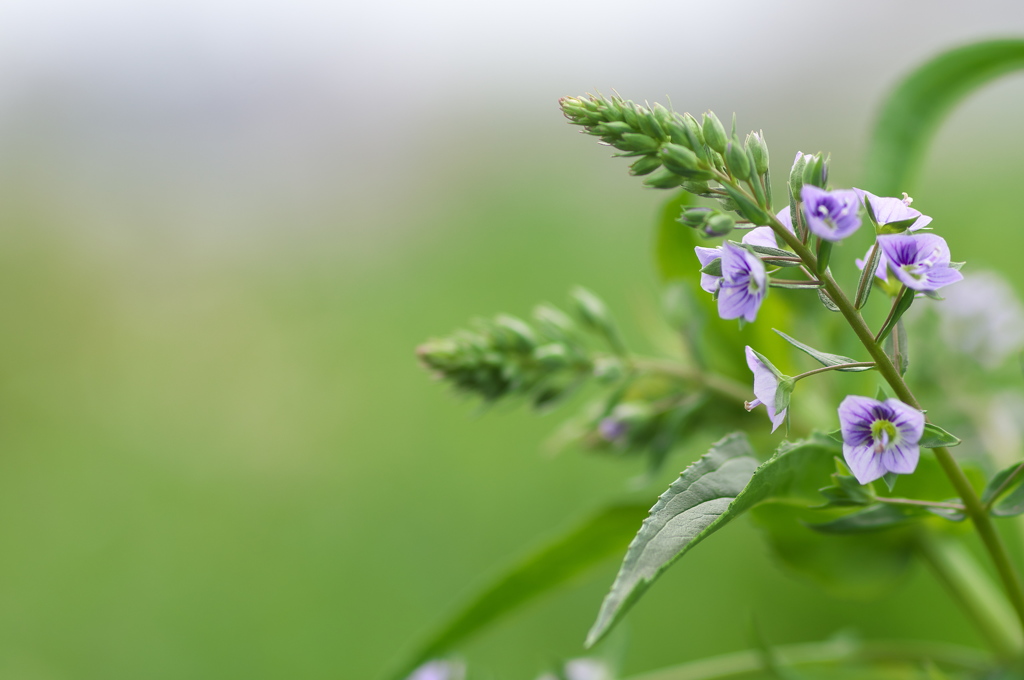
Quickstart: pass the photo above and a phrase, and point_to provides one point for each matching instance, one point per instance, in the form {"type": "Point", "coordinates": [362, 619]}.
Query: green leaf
{"type": "Point", "coordinates": [827, 301]}
{"type": "Point", "coordinates": [586, 545]}
{"type": "Point", "coordinates": [1006, 488]}
{"type": "Point", "coordinates": [916, 107]}
{"type": "Point", "coordinates": [824, 358]}
{"type": "Point", "coordinates": [902, 304]}
{"type": "Point", "coordinates": [897, 347]}
{"type": "Point", "coordinates": [934, 437]}
{"type": "Point", "coordinates": [724, 483]}
{"type": "Point", "coordinates": [867, 275]}
{"type": "Point", "coordinates": [874, 518]}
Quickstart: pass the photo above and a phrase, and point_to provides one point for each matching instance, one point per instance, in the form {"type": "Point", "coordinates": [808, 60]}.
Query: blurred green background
{"type": "Point", "coordinates": [226, 226]}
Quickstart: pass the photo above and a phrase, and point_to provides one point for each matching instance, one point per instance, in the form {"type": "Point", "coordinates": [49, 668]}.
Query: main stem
{"type": "Point", "coordinates": [972, 503]}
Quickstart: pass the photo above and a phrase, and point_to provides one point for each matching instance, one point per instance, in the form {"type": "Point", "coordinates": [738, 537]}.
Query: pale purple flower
{"type": "Point", "coordinates": [766, 388]}
{"type": "Point", "coordinates": [612, 429]}
{"type": "Point", "coordinates": [920, 261]}
{"type": "Point", "coordinates": [984, 318]}
{"type": "Point", "coordinates": [892, 210]}
{"type": "Point", "coordinates": [832, 215]}
{"type": "Point", "coordinates": [759, 236]}
{"type": "Point", "coordinates": [880, 437]}
{"type": "Point", "coordinates": [744, 283]}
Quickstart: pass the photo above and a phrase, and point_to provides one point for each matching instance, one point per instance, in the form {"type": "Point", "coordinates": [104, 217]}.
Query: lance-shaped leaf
{"type": "Point", "coordinates": [824, 358]}
{"type": "Point", "coordinates": [720, 486]}
{"type": "Point", "coordinates": [934, 437]}
{"type": "Point", "coordinates": [914, 110]}
{"type": "Point", "coordinates": [1005, 492]}
{"type": "Point", "coordinates": [586, 545]}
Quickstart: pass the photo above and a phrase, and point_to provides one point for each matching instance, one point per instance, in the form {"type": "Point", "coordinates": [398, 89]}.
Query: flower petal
{"type": "Point", "coordinates": [864, 463]}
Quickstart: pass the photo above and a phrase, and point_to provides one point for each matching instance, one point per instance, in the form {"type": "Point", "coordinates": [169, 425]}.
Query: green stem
{"type": "Point", "coordinates": [837, 367]}
{"type": "Point", "coordinates": [973, 506]}
{"type": "Point", "coordinates": [955, 569]}
{"type": "Point", "coordinates": [920, 504]}
{"type": "Point", "coordinates": [727, 387]}
{"type": "Point", "coordinates": [750, 663]}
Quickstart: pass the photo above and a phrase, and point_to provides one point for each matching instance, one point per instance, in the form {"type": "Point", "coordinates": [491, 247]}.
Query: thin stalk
{"type": "Point", "coordinates": [750, 663]}
{"type": "Point", "coordinates": [920, 504]}
{"type": "Point", "coordinates": [973, 506]}
{"type": "Point", "coordinates": [971, 588]}
{"type": "Point", "coordinates": [837, 367]}
{"type": "Point", "coordinates": [727, 387]}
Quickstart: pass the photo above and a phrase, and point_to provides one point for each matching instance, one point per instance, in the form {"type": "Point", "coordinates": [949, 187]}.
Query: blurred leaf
{"type": "Point", "coordinates": [849, 566]}
{"type": "Point", "coordinates": [1006, 487]}
{"type": "Point", "coordinates": [675, 241]}
{"type": "Point", "coordinates": [915, 108]}
{"type": "Point", "coordinates": [824, 358]}
{"type": "Point", "coordinates": [875, 518]}
{"type": "Point", "coordinates": [724, 483]}
{"type": "Point", "coordinates": [586, 545]}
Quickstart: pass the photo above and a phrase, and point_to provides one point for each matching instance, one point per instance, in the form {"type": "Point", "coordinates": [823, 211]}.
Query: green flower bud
{"type": "Point", "coordinates": [633, 141]}
{"type": "Point", "coordinates": [694, 127]}
{"type": "Point", "coordinates": [796, 175]}
{"type": "Point", "coordinates": [593, 312]}
{"type": "Point", "coordinates": [719, 224]}
{"type": "Point", "coordinates": [736, 160]}
{"type": "Point", "coordinates": [816, 171]}
{"type": "Point", "coordinates": [513, 333]}
{"type": "Point", "coordinates": [679, 159]}
{"type": "Point", "coordinates": [696, 217]}
{"type": "Point", "coordinates": [664, 179]}
{"type": "Point", "coordinates": [645, 165]}
{"type": "Point", "coordinates": [553, 356]}
{"type": "Point", "coordinates": [714, 132]}
{"type": "Point", "coordinates": [609, 369]}
{"type": "Point", "coordinates": [759, 151]}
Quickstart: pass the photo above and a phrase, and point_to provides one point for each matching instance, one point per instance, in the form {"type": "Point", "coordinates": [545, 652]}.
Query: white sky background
{"type": "Point", "coordinates": [226, 100]}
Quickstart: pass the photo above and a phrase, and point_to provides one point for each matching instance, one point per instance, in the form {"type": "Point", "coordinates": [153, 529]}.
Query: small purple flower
{"type": "Point", "coordinates": [893, 210]}
{"type": "Point", "coordinates": [760, 236]}
{"type": "Point", "coordinates": [880, 437]}
{"type": "Point", "coordinates": [767, 381]}
{"type": "Point", "coordinates": [612, 429]}
{"type": "Point", "coordinates": [832, 215]}
{"type": "Point", "coordinates": [744, 283]}
{"type": "Point", "coordinates": [920, 261]}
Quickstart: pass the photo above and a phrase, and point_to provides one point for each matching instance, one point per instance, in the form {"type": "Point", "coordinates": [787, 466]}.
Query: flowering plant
{"type": "Point", "coordinates": [831, 476]}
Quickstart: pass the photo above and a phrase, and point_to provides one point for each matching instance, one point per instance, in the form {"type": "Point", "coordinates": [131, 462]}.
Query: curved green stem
{"type": "Point", "coordinates": [837, 367]}
{"type": "Point", "coordinates": [750, 663]}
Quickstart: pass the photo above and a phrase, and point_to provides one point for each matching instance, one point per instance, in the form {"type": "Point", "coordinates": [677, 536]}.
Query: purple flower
{"type": "Point", "coordinates": [883, 263]}
{"type": "Point", "coordinates": [894, 210]}
{"type": "Point", "coordinates": [760, 236]}
{"type": "Point", "coordinates": [612, 429]}
{"type": "Point", "coordinates": [920, 261]}
{"type": "Point", "coordinates": [744, 283]}
{"type": "Point", "coordinates": [880, 437]}
{"type": "Point", "coordinates": [767, 383]}
{"type": "Point", "coordinates": [832, 215]}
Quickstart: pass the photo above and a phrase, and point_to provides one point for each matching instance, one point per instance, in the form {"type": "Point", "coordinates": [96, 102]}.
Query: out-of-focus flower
{"type": "Point", "coordinates": [767, 381]}
{"type": "Point", "coordinates": [983, 318]}
{"type": "Point", "coordinates": [920, 261]}
{"type": "Point", "coordinates": [439, 670]}
{"type": "Point", "coordinates": [880, 437]}
{"type": "Point", "coordinates": [582, 669]}
{"type": "Point", "coordinates": [832, 215]}
{"type": "Point", "coordinates": [744, 283]}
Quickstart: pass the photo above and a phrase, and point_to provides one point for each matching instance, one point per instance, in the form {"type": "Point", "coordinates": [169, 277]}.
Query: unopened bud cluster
{"type": "Point", "coordinates": [542, 361]}
{"type": "Point", "coordinates": [676, 150]}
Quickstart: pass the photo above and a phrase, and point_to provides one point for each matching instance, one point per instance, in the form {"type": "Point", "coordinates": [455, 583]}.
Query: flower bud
{"type": "Point", "coordinates": [714, 132]}
{"type": "Point", "coordinates": [553, 356]}
{"type": "Point", "coordinates": [645, 166]}
{"type": "Point", "coordinates": [679, 159]}
{"type": "Point", "coordinates": [796, 174]}
{"type": "Point", "coordinates": [664, 179]}
{"type": "Point", "coordinates": [696, 217]}
{"type": "Point", "coordinates": [736, 160]}
{"type": "Point", "coordinates": [816, 171]}
{"type": "Point", "coordinates": [609, 369]}
{"type": "Point", "coordinates": [634, 141]}
{"type": "Point", "coordinates": [694, 127]}
{"type": "Point", "coordinates": [759, 151]}
{"type": "Point", "coordinates": [719, 224]}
